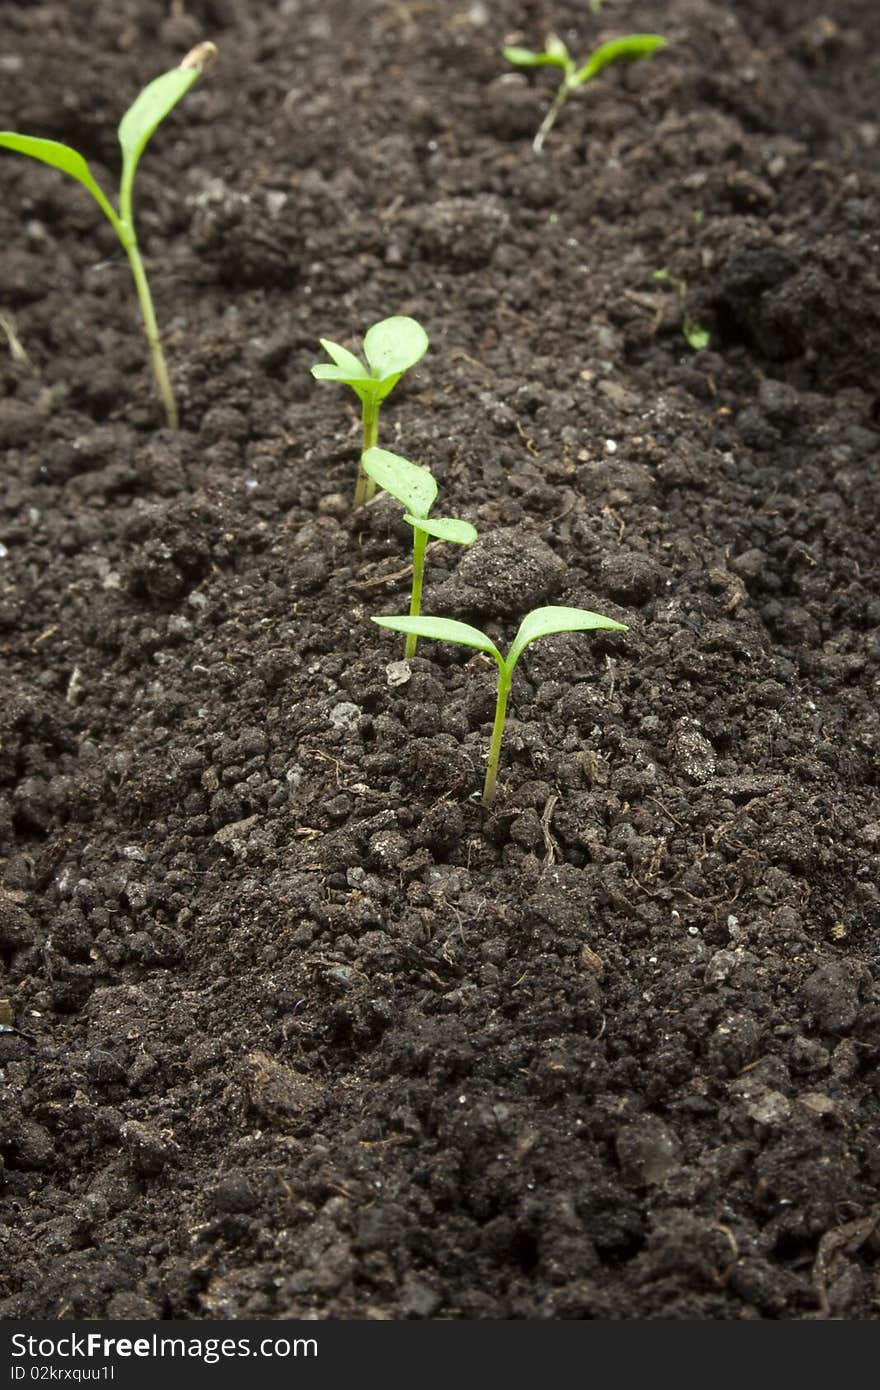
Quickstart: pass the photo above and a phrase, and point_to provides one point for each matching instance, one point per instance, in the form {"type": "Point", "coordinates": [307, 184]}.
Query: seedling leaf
{"type": "Point", "coordinates": [328, 371]}
{"type": "Point", "coordinates": [148, 110]}
{"type": "Point", "coordinates": [544, 622]}
{"type": "Point", "coordinates": [445, 528]}
{"type": "Point", "coordinates": [61, 157]}
{"type": "Point", "coordinates": [344, 359]}
{"type": "Point", "coordinates": [526, 58]}
{"type": "Point", "coordinates": [414, 487]}
{"type": "Point", "coordinates": [393, 346]}
{"type": "Point", "coordinates": [696, 335]}
{"type": "Point", "coordinates": [627, 49]}
{"type": "Point", "coordinates": [444, 630]}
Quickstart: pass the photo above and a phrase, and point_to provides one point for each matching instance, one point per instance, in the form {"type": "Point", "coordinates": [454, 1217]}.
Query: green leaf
{"type": "Point", "coordinates": [444, 630]}
{"type": "Point", "coordinates": [526, 58]}
{"type": "Point", "coordinates": [62, 157]}
{"type": "Point", "coordinates": [445, 528]}
{"type": "Point", "coordinates": [625, 50]}
{"type": "Point", "coordinates": [328, 371]}
{"type": "Point", "coordinates": [544, 622]}
{"type": "Point", "coordinates": [697, 336]}
{"type": "Point", "coordinates": [393, 346]}
{"type": "Point", "coordinates": [147, 111]}
{"type": "Point", "coordinates": [555, 48]}
{"type": "Point", "coordinates": [346, 360]}
{"type": "Point", "coordinates": [414, 487]}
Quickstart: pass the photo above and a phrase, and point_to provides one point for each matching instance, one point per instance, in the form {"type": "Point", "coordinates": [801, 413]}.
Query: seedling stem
{"type": "Point", "coordinates": [504, 679]}
{"type": "Point", "coordinates": [151, 328]}
{"type": "Point", "coordinates": [563, 92]}
{"type": "Point", "coordinates": [365, 488]}
{"type": "Point", "coordinates": [420, 545]}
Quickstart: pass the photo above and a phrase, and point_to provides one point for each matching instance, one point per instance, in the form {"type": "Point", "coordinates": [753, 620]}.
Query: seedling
{"type": "Point", "coordinates": [697, 336]}
{"type": "Point", "coordinates": [415, 489]}
{"type": "Point", "coordinates": [137, 125]}
{"type": "Point", "coordinates": [541, 622]}
{"type": "Point", "coordinates": [390, 348]}
{"type": "Point", "coordinates": [13, 342]}
{"type": "Point", "coordinates": [574, 75]}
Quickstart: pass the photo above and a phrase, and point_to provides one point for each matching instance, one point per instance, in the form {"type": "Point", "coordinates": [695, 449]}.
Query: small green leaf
{"type": "Point", "coordinates": [393, 346]}
{"type": "Point", "coordinates": [555, 48]}
{"type": "Point", "coordinates": [148, 110]}
{"type": "Point", "coordinates": [62, 157]}
{"type": "Point", "coordinates": [410, 484]}
{"type": "Point", "coordinates": [544, 622]}
{"type": "Point", "coordinates": [697, 336]}
{"type": "Point", "coordinates": [625, 50]}
{"type": "Point", "coordinates": [328, 371]}
{"type": "Point", "coordinates": [445, 528]}
{"type": "Point", "coordinates": [526, 58]}
{"type": "Point", "coordinates": [444, 630]}
{"type": "Point", "coordinates": [346, 360]}
{"type": "Point", "coordinates": [364, 387]}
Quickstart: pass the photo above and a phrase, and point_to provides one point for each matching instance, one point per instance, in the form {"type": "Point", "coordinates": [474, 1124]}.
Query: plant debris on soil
{"type": "Point", "coordinates": [289, 1026]}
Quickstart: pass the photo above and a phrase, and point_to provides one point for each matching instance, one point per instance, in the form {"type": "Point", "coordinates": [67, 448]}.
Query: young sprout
{"type": "Point", "coordinates": [391, 348]}
{"type": "Point", "coordinates": [574, 75]}
{"type": "Point", "coordinates": [13, 342]}
{"type": "Point", "coordinates": [541, 622]}
{"type": "Point", "coordinates": [696, 335]}
{"type": "Point", "coordinates": [415, 489]}
{"type": "Point", "coordinates": [137, 125]}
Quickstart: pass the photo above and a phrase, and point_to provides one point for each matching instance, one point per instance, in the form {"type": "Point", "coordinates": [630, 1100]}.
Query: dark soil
{"type": "Point", "coordinates": [289, 1026]}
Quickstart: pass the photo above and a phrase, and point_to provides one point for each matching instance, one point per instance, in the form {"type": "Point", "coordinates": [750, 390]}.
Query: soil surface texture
{"type": "Point", "coordinates": [290, 1026]}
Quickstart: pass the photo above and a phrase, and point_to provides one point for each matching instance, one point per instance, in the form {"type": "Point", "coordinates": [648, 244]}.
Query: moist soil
{"type": "Point", "coordinates": [291, 1026]}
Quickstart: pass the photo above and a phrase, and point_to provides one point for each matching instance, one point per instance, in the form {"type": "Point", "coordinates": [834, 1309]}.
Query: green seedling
{"type": "Point", "coordinates": [390, 348]}
{"type": "Point", "coordinates": [541, 622]}
{"type": "Point", "coordinates": [135, 129]}
{"type": "Point", "coordinates": [575, 75]}
{"type": "Point", "coordinates": [697, 336]}
{"type": "Point", "coordinates": [415, 489]}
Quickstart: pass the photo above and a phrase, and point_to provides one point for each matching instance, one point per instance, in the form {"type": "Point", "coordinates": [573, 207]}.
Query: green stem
{"type": "Point", "coordinates": [365, 487]}
{"type": "Point", "coordinates": [549, 121]}
{"type": "Point", "coordinates": [504, 676]}
{"type": "Point", "coordinates": [420, 541]}
{"type": "Point", "coordinates": [151, 327]}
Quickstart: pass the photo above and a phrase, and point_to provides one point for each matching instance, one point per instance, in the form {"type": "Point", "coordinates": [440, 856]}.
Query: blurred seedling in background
{"type": "Point", "coordinates": [16, 351]}
{"type": "Point", "coordinates": [415, 488]}
{"type": "Point", "coordinates": [390, 348]}
{"type": "Point", "coordinates": [135, 129]}
{"type": "Point", "coordinates": [697, 336]}
{"type": "Point", "coordinates": [541, 622]}
{"type": "Point", "coordinates": [575, 75]}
